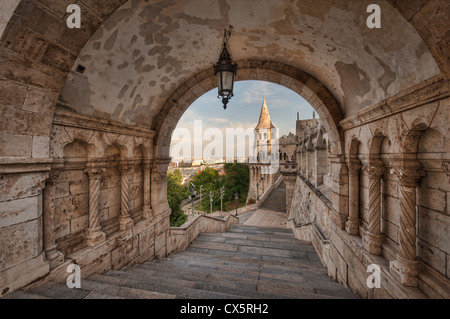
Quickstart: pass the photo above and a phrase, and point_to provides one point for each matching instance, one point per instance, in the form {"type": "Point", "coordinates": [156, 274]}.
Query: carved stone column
{"type": "Point", "coordinates": [94, 233]}
{"type": "Point", "coordinates": [352, 224]}
{"type": "Point", "coordinates": [125, 221]}
{"type": "Point", "coordinates": [372, 238]}
{"type": "Point", "coordinates": [54, 256]}
{"type": "Point", "coordinates": [160, 205]}
{"type": "Point", "coordinates": [147, 207]}
{"type": "Point", "coordinates": [406, 267]}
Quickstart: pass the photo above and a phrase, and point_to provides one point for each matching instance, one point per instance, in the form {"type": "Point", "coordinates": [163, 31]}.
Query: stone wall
{"type": "Point", "coordinates": [92, 206]}
{"type": "Point", "coordinates": [398, 209]}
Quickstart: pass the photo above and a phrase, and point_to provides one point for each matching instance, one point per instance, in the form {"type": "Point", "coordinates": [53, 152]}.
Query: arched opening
{"type": "Point", "coordinates": [216, 136]}
{"type": "Point", "coordinates": [301, 83]}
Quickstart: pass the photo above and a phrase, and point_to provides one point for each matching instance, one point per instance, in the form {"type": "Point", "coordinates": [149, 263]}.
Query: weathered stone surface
{"type": "Point", "coordinates": [26, 123]}
{"type": "Point", "coordinates": [15, 145]}
{"type": "Point", "coordinates": [19, 276]}
{"type": "Point", "coordinates": [434, 229]}
{"type": "Point", "coordinates": [16, 186]}
{"type": "Point", "coordinates": [58, 58]}
{"type": "Point", "coordinates": [41, 147]}
{"type": "Point", "coordinates": [125, 253]}
{"type": "Point", "coordinates": [39, 101]}
{"type": "Point", "coordinates": [432, 199]}
{"type": "Point", "coordinates": [12, 94]}
{"type": "Point", "coordinates": [432, 256]}
{"type": "Point", "coordinates": [23, 238]}
{"type": "Point", "coordinates": [19, 211]}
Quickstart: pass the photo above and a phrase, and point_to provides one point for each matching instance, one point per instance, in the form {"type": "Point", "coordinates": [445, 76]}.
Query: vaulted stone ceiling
{"type": "Point", "coordinates": [146, 49]}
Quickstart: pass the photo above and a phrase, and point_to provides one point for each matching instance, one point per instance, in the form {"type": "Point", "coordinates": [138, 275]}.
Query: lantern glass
{"type": "Point", "coordinates": [226, 82]}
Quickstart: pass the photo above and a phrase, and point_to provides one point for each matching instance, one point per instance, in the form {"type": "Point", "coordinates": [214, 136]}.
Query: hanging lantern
{"type": "Point", "coordinates": [225, 71]}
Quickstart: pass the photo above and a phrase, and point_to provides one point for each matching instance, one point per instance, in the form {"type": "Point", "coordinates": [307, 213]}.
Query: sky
{"type": "Point", "coordinates": [242, 112]}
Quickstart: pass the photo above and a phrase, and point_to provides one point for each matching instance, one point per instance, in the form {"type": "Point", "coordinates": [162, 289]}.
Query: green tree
{"type": "Point", "coordinates": [210, 179]}
{"type": "Point", "coordinates": [176, 192]}
{"type": "Point", "coordinates": [237, 179]}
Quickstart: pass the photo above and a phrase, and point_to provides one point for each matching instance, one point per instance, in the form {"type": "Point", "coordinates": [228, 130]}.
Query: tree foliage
{"type": "Point", "coordinates": [176, 192]}
{"type": "Point", "coordinates": [236, 179]}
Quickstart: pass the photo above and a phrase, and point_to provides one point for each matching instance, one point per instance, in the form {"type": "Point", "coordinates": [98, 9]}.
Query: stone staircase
{"type": "Point", "coordinates": [276, 200]}
{"type": "Point", "coordinates": [245, 262]}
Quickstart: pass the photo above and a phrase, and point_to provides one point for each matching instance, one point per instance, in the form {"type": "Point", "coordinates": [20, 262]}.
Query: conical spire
{"type": "Point", "coordinates": [264, 117]}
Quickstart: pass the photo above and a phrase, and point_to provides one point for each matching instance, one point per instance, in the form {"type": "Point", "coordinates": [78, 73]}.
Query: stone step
{"type": "Point", "coordinates": [137, 282]}
{"type": "Point", "coordinates": [197, 258]}
{"type": "Point", "coordinates": [178, 276]}
{"type": "Point", "coordinates": [247, 271]}
{"type": "Point", "coordinates": [123, 292]}
{"type": "Point", "coordinates": [184, 278]}
{"type": "Point", "coordinates": [243, 277]}
{"type": "Point", "coordinates": [61, 291]}
{"type": "Point", "coordinates": [20, 294]}
{"type": "Point", "coordinates": [261, 241]}
{"type": "Point", "coordinates": [276, 201]}
{"type": "Point", "coordinates": [245, 262]}
{"type": "Point", "coordinates": [241, 235]}
{"type": "Point", "coordinates": [268, 232]}
{"type": "Point", "coordinates": [240, 266]}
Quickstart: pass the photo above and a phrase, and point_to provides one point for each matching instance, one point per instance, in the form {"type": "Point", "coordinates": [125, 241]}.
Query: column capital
{"type": "Point", "coordinates": [408, 177]}
{"type": "Point", "coordinates": [52, 177]}
{"type": "Point", "coordinates": [374, 171]}
{"type": "Point", "coordinates": [94, 172]}
{"type": "Point", "coordinates": [354, 167]}
{"type": "Point", "coordinates": [124, 168]}
{"type": "Point", "coordinates": [147, 164]}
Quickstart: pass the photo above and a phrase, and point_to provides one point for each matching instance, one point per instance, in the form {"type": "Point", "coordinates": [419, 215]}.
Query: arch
{"type": "Point", "coordinates": [300, 82]}
{"type": "Point", "coordinates": [138, 154]}
{"type": "Point", "coordinates": [112, 152]}
{"type": "Point", "coordinates": [75, 153]}
{"type": "Point", "coordinates": [354, 148]}
{"type": "Point", "coordinates": [410, 142]}
{"type": "Point", "coordinates": [375, 143]}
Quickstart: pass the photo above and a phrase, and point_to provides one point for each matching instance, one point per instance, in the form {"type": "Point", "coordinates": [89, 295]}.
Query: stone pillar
{"type": "Point", "coordinates": [125, 221]}
{"type": "Point", "coordinates": [352, 224]}
{"type": "Point", "coordinates": [372, 238]}
{"type": "Point", "coordinates": [146, 201]}
{"type": "Point", "coordinates": [160, 205]}
{"type": "Point", "coordinates": [252, 187]}
{"type": "Point", "coordinates": [320, 162]}
{"type": "Point", "coordinates": [339, 185]}
{"type": "Point", "coordinates": [406, 267]}
{"type": "Point", "coordinates": [54, 256]}
{"type": "Point", "coordinates": [94, 233]}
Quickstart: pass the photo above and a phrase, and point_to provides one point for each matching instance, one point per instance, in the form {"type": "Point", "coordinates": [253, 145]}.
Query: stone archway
{"type": "Point", "coordinates": [38, 52]}
{"type": "Point", "coordinates": [298, 81]}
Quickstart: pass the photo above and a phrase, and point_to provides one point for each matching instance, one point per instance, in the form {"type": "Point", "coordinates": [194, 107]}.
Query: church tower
{"type": "Point", "coordinates": [264, 132]}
